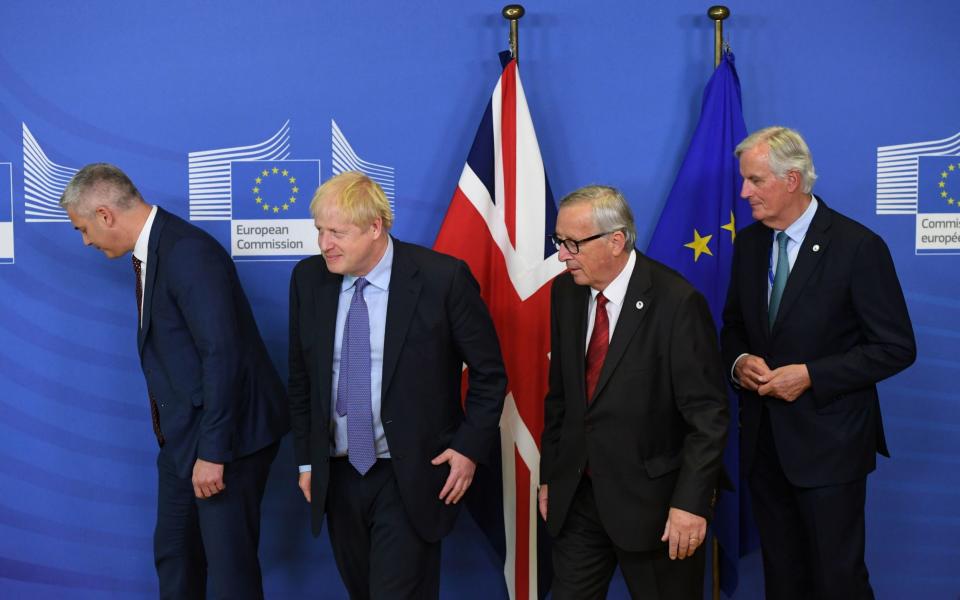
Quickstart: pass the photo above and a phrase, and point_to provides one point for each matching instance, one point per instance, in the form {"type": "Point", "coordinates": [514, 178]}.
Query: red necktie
{"type": "Point", "coordinates": [154, 411]}
{"type": "Point", "coordinates": [597, 350]}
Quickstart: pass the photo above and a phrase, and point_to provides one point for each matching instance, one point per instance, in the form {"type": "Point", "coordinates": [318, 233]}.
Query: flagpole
{"type": "Point", "coordinates": [513, 12]}
{"type": "Point", "coordinates": [717, 13]}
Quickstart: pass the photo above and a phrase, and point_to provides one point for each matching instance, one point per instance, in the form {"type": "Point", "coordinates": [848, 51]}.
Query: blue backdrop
{"type": "Point", "coordinates": [174, 91]}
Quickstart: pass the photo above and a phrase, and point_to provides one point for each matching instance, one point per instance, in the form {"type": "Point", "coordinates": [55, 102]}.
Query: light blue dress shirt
{"type": "Point", "coordinates": [376, 295]}
{"type": "Point", "coordinates": [796, 233]}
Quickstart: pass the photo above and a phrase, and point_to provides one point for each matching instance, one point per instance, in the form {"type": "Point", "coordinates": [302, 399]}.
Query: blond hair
{"type": "Point", "coordinates": [360, 199]}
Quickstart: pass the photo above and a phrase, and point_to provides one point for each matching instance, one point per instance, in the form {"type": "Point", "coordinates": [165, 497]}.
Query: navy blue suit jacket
{"type": "Point", "coordinates": [843, 315]}
{"type": "Point", "coordinates": [217, 391]}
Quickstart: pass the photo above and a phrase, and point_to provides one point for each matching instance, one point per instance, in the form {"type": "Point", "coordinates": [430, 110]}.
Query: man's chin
{"type": "Point", "coordinates": [334, 264]}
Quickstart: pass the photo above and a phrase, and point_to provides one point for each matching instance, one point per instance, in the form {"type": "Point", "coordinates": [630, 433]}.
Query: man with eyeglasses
{"type": "Point", "coordinates": [636, 415]}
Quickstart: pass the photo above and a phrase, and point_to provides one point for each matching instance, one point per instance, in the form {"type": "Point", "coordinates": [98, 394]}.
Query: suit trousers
{"type": "Point", "coordinates": [377, 550]}
{"type": "Point", "coordinates": [584, 559]}
{"type": "Point", "coordinates": [812, 539]}
{"type": "Point", "coordinates": [213, 541]}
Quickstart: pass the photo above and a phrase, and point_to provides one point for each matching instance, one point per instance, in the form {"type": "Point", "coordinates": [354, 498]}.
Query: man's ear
{"type": "Point", "coordinates": [377, 227]}
{"type": "Point", "coordinates": [794, 181]}
{"type": "Point", "coordinates": [619, 240]}
{"type": "Point", "coordinates": [105, 216]}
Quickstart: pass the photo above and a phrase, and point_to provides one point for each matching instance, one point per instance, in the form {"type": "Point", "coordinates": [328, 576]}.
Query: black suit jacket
{"type": "Point", "coordinates": [654, 433]}
{"type": "Point", "coordinates": [844, 316]}
{"type": "Point", "coordinates": [217, 391]}
{"type": "Point", "coordinates": [436, 322]}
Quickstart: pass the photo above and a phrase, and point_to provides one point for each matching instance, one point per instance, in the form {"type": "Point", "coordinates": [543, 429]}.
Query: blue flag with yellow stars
{"type": "Point", "coordinates": [273, 189]}
{"type": "Point", "coordinates": [695, 236]}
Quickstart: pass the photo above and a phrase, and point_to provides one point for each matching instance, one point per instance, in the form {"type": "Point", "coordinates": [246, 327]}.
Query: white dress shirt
{"type": "Point", "coordinates": [140, 251]}
{"type": "Point", "coordinates": [615, 293]}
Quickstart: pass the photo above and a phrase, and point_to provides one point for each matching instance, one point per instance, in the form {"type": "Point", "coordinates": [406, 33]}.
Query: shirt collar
{"type": "Point", "coordinates": [616, 291]}
{"type": "Point", "coordinates": [798, 229]}
{"type": "Point", "coordinates": [141, 248]}
{"type": "Point", "coordinates": [379, 276]}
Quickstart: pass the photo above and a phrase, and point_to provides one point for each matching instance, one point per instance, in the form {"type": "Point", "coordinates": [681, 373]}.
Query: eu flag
{"type": "Point", "coordinates": [695, 236]}
{"type": "Point", "coordinates": [938, 184]}
{"type": "Point", "coordinates": [273, 189]}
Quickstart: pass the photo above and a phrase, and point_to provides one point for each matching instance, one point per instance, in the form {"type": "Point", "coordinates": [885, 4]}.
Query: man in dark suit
{"type": "Point", "coordinates": [636, 415]}
{"type": "Point", "coordinates": [379, 332]}
{"type": "Point", "coordinates": [217, 403]}
{"type": "Point", "coordinates": [815, 317]}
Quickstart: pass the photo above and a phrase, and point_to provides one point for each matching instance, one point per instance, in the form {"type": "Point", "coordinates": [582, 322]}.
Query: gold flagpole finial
{"type": "Point", "coordinates": [513, 12]}
{"type": "Point", "coordinates": [717, 14]}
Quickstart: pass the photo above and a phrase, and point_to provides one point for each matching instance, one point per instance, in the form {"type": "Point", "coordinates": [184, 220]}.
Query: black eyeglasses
{"type": "Point", "coordinates": [573, 246]}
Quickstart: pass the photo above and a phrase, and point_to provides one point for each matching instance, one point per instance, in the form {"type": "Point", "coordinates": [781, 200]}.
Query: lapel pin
{"type": "Point", "coordinates": [639, 304]}
{"type": "Point", "coordinates": [816, 247]}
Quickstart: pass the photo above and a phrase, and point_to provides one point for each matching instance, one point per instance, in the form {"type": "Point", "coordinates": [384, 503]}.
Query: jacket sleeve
{"type": "Point", "coordinates": [553, 404]}
{"type": "Point", "coordinates": [475, 339]}
{"type": "Point", "coordinates": [202, 286]}
{"type": "Point", "coordinates": [700, 394]}
{"type": "Point", "coordinates": [298, 384]}
{"type": "Point", "coordinates": [887, 344]}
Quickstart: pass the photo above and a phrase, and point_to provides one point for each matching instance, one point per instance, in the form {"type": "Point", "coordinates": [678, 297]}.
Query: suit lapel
{"type": "Point", "coordinates": [635, 308]}
{"type": "Point", "coordinates": [758, 280]}
{"type": "Point", "coordinates": [153, 263]}
{"type": "Point", "coordinates": [811, 253]}
{"type": "Point", "coordinates": [405, 286]}
{"type": "Point", "coordinates": [326, 304]}
{"type": "Point", "coordinates": [580, 306]}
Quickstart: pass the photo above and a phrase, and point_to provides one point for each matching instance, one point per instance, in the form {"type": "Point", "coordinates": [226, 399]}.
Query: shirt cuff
{"type": "Point", "coordinates": [305, 468]}
{"type": "Point", "coordinates": [733, 369]}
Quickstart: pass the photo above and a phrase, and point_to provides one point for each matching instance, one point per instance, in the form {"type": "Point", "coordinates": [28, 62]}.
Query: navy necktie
{"type": "Point", "coordinates": [353, 387]}
{"type": "Point", "coordinates": [780, 277]}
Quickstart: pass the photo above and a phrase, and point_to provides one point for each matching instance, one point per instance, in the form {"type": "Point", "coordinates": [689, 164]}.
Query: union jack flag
{"type": "Point", "coordinates": [499, 221]}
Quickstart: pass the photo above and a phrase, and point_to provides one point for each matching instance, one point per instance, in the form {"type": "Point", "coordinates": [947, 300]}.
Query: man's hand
{"type": "Point", "coordinates": [786, 383]}
{"type": "Point", "coordinates": [542, 498]}
{"type": "Point", "coordinates": [752, 372]}
{"type": "Point", "coordinates": [461, 475]}
{"type": "Point", "coordinates": [684, 532]}
{"type": "Point", "coordinates": [304, 483]}
{"type": "Point", "coordinates": [207, 478]}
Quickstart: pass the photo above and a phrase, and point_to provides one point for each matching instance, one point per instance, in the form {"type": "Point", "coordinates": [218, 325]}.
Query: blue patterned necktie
{"type": "Point", "coordinates": [353, 387]}
{"type": "Point", "coordinates": [780, 278]}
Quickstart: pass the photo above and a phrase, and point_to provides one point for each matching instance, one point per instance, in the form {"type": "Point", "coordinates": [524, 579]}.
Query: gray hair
{"type": "Point", "coordinates": [788, 152]}
{"type": "Point", "coordinates": [116, 188]}
{"type": "Point", "coordinates": [610, 209]}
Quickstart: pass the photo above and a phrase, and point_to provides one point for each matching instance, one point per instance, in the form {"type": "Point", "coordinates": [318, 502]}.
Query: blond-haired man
{"type": "Point", "coordinates": [379, 331]}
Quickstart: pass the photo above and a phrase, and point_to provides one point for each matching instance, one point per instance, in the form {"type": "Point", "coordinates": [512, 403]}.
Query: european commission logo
{"type": "Point", "coordinates": [6, 214]}
{"type": "Point", "coordinates": [265, 194]}
{"type": "Point", "coordinates": [271, 208]}
{"type": "Point", "coordinates": [923, 179]}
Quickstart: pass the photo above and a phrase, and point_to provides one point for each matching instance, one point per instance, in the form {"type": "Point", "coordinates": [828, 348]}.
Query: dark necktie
{"type": "Point", "coordinates": [154, 411]}
{"type": "Point", "coordinates": [780, 277]}
{"type": "Point", "coordinates": [597, 349]}
{"type": "Point", "coordinates": [353, 386]}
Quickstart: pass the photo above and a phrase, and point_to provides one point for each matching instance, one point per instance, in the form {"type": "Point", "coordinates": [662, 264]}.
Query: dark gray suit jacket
{"type": "Point", "coordinates": [436, 322]}
{"type": "Point", "coordinates": [654, 433]}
